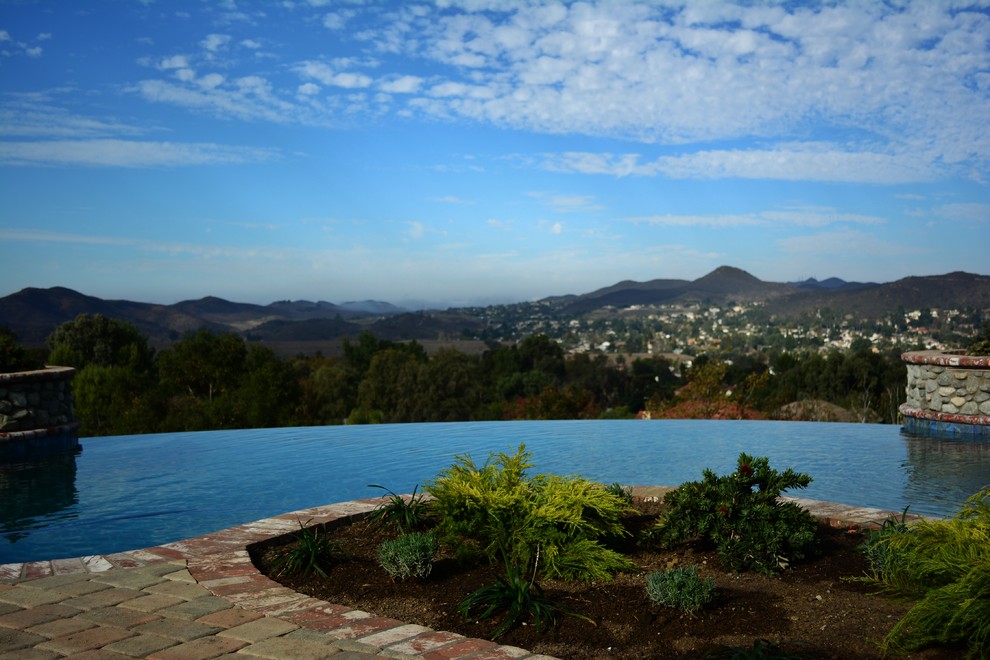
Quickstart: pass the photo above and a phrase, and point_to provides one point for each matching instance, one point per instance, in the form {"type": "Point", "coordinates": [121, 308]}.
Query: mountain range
{"type": "Point", "coordinates": [33, 313]}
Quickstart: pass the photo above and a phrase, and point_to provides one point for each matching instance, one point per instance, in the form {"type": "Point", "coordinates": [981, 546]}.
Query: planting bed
{"type": "Point", "coordinates": [808, 611]}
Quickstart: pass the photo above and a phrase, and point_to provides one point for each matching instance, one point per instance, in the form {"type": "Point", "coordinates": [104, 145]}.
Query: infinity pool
{"type": "Point", "coordinates": [129, 492]}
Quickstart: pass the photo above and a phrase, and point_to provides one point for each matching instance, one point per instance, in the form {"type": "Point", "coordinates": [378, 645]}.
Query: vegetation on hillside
{"type": "Point", "coordinates": [217, 380]}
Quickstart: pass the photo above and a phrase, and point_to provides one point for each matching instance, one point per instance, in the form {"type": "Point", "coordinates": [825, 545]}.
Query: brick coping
{"type": "Point", "coordinates": [947, 359]}
{"type": "Point", "coordinates": [219, 562]}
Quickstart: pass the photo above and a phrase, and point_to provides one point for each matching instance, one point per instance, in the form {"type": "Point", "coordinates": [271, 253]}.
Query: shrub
{"type": "Point", "coordinates": [405, 515]}
{"type": "Point", "coordinates": [742, 516]}
{"type": "Point", "coordinates": [680, 588]}
{"type": "Point", "coordinates": [518, 598]}
{"type": "Point", "coordinates": [624, 493]}
{"type": "Point", "coordinates": [877, 548]}
{"type": "Point", "coordinates": [313, 552]}
{"type": "Point", "coordinates": [946, 565]}
{"type": "Point", "coordinates": [507, 514]}
{"type": "Point", "coordinates": [408, 556]}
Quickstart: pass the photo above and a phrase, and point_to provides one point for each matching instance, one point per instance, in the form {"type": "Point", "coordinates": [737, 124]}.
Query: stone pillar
{"type": "Point", "coordinates": [36, 411]}
{"type": "Point", "coordinates": [948, 394]}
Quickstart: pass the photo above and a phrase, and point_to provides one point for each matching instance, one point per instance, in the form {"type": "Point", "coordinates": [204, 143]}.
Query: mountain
{"type": "Point", "coordinates": [722, 285]}
{"type": "Point", "coordinates": [957, 290]}
{"type": "Point", "coordinates": [34, 313]}
{"type": "Point", "coordinates": [831, 284]}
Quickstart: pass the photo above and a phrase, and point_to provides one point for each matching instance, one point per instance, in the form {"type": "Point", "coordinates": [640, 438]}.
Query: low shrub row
{"type": "Point", "coordinates": [536, 527]}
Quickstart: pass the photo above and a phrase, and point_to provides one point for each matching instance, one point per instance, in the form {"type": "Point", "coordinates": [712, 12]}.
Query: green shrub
{"type": "Point", "coordinates": [518, 597]}
{"type": "Point", "coordinates": [405, 515]}
{"type": "Point", "coordinates": [624, 493]}
{"type": "Point", "coordinates": [742, 516]}
{"type": "Point", "coordinates": [507, 514]}
{"type": "Point", "coordinates": [313, 552]}
{"type": "Point", "coordinates": [876, 546]}
{"type": "Point", "coordinates": [946, 565]}
{"type": "Point", "coordinates": [680, 588]}
{"type": "Point", "coordinates": [408, 556]}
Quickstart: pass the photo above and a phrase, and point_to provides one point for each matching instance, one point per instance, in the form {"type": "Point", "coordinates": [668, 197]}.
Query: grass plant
{"type": "Point", "coordinates": [312, 553]}
{"type": "Point", "coordinates": [396, 511]}
{"type": "Point", "coordinates": [409, 555]}
{"type": "Point", "coordinates": [680, 588]}
{"type": "Point", "coordinates": [520, 598]}
{"type": "Point", "coordinates": [945, 566]}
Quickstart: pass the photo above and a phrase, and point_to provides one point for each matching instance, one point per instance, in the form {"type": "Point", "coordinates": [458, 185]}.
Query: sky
{"type": "Point", "coordinates": [478, 152]}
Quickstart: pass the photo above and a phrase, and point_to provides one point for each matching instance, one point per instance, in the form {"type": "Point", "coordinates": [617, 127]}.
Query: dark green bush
{"type": "Point", "coordinates": [742, 515]}
{"type": "Point", "coordinates": [408, 556]}
{"type": "Point", "coordinates": [680, 588]}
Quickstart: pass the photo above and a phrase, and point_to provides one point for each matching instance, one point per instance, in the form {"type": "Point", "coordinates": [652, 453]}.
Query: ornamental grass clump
{"type": "Point", "coordinates": [408, 556]}
{"type": "Point", "coordinates": [509, 515]}
{"type": "Point", "coordinates": [741, 514]}
{"type": "Point", "coordinates": [945, 565]}
{"type": "Point", "coordinates": [396, 511]}
{"type": "Point", "coordinates": [680, 588]}
{"type": "Point", "coordinates": [313, 552]}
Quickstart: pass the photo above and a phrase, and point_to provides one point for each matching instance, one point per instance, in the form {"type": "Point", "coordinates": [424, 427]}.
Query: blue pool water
{"type": "Point", "coordinates": [129, 492]}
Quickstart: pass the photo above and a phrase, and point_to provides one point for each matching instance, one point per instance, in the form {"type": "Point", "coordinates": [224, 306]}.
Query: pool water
{"type": "Point", "coordinates": [129, 492]}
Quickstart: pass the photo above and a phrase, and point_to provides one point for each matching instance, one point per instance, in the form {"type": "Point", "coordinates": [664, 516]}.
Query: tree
{"type": "Point", "coordinates": [96, 339]}
{"type": "Point", "coordinates": [114, 383]}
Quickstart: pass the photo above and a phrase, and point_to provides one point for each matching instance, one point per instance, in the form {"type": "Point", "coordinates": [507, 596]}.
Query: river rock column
{"type": "Point", "coordinates": [948, 394]}
{"type": "Point", "coordinates": [37, 407]}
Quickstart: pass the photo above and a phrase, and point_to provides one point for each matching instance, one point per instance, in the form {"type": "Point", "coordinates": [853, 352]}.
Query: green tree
{"type": "Point", "coordinates": [196, 374]}
{"type": "Point", "coordinates": [13, 356]}
{"type": "Point", "coordinates": [96, 339]}
{"type": "Point", "coordinates": [391, 385]}
{"type": "Point", "coordinates": [114, 386]}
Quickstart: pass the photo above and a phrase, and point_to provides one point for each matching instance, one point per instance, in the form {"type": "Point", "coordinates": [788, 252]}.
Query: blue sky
{"type": "Point", "coordinates": [476, 152]}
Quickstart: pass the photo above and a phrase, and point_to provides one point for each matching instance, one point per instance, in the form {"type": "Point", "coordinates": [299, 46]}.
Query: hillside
{"type": "Point", "coordinates": [33, 313]}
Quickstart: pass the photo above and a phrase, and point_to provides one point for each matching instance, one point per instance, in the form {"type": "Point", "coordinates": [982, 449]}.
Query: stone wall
{"type": "Point", "coordinates": [947, 389]}
{"type": "Point", "coordinates": [32, 401]}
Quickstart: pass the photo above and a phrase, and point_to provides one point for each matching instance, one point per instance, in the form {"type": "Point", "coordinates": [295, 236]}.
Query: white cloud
{"type": "Point", "coordinates": [35, 51]}
{"type": "Point", "coordinates": [308, 89]}
{"type": "Point", "coordinates": [126, 153]}
{"type": "Point", "coordinates": [416, 230]}
{"type": "Point", "coordinates": [401, 85]}
{"type": "Point", "coordinates": [971, 213]}
{"type": "Point", "coordinates": [174, 62]}
{"type": "Point", "coordinates": [568, 203]}
{"type": "Point", "coordinates": [789, 162]}
{"type": "Point", "coordinates": [328, 76]}
{"type": "Point", "coordinates": [215, 42]}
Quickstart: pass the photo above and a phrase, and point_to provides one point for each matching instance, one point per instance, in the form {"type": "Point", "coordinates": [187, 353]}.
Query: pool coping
{"type": "Point", "coordinates": [219, 562]}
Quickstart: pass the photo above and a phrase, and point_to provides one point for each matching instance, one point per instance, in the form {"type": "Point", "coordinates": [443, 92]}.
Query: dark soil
{"type": "Point", "coordinates": [809, 611]}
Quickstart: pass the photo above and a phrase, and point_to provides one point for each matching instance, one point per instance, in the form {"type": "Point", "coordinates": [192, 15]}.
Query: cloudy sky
{"type": "Point", "coordinates": [476, 152]}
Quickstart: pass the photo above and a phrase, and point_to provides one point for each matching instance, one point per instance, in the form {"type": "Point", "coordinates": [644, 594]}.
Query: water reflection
{"type": "Point", "coordinates": [947, 471]}
{"type": "Point", "coordinates": [37, 486]}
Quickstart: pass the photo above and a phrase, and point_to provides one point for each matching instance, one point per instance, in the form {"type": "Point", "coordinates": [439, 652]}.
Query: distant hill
{"type": "Point", "coordinates": [722, 285]}
{"type": "Point", "coordinates": [831, 284]}
{"type": "Point", "coordinates": [956, 290]}
{"type": "Point", "coordinates": [33, 313]}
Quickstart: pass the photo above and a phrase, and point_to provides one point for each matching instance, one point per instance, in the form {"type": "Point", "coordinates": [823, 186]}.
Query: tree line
{"type": "Point", "coordinates": [217, 380]}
